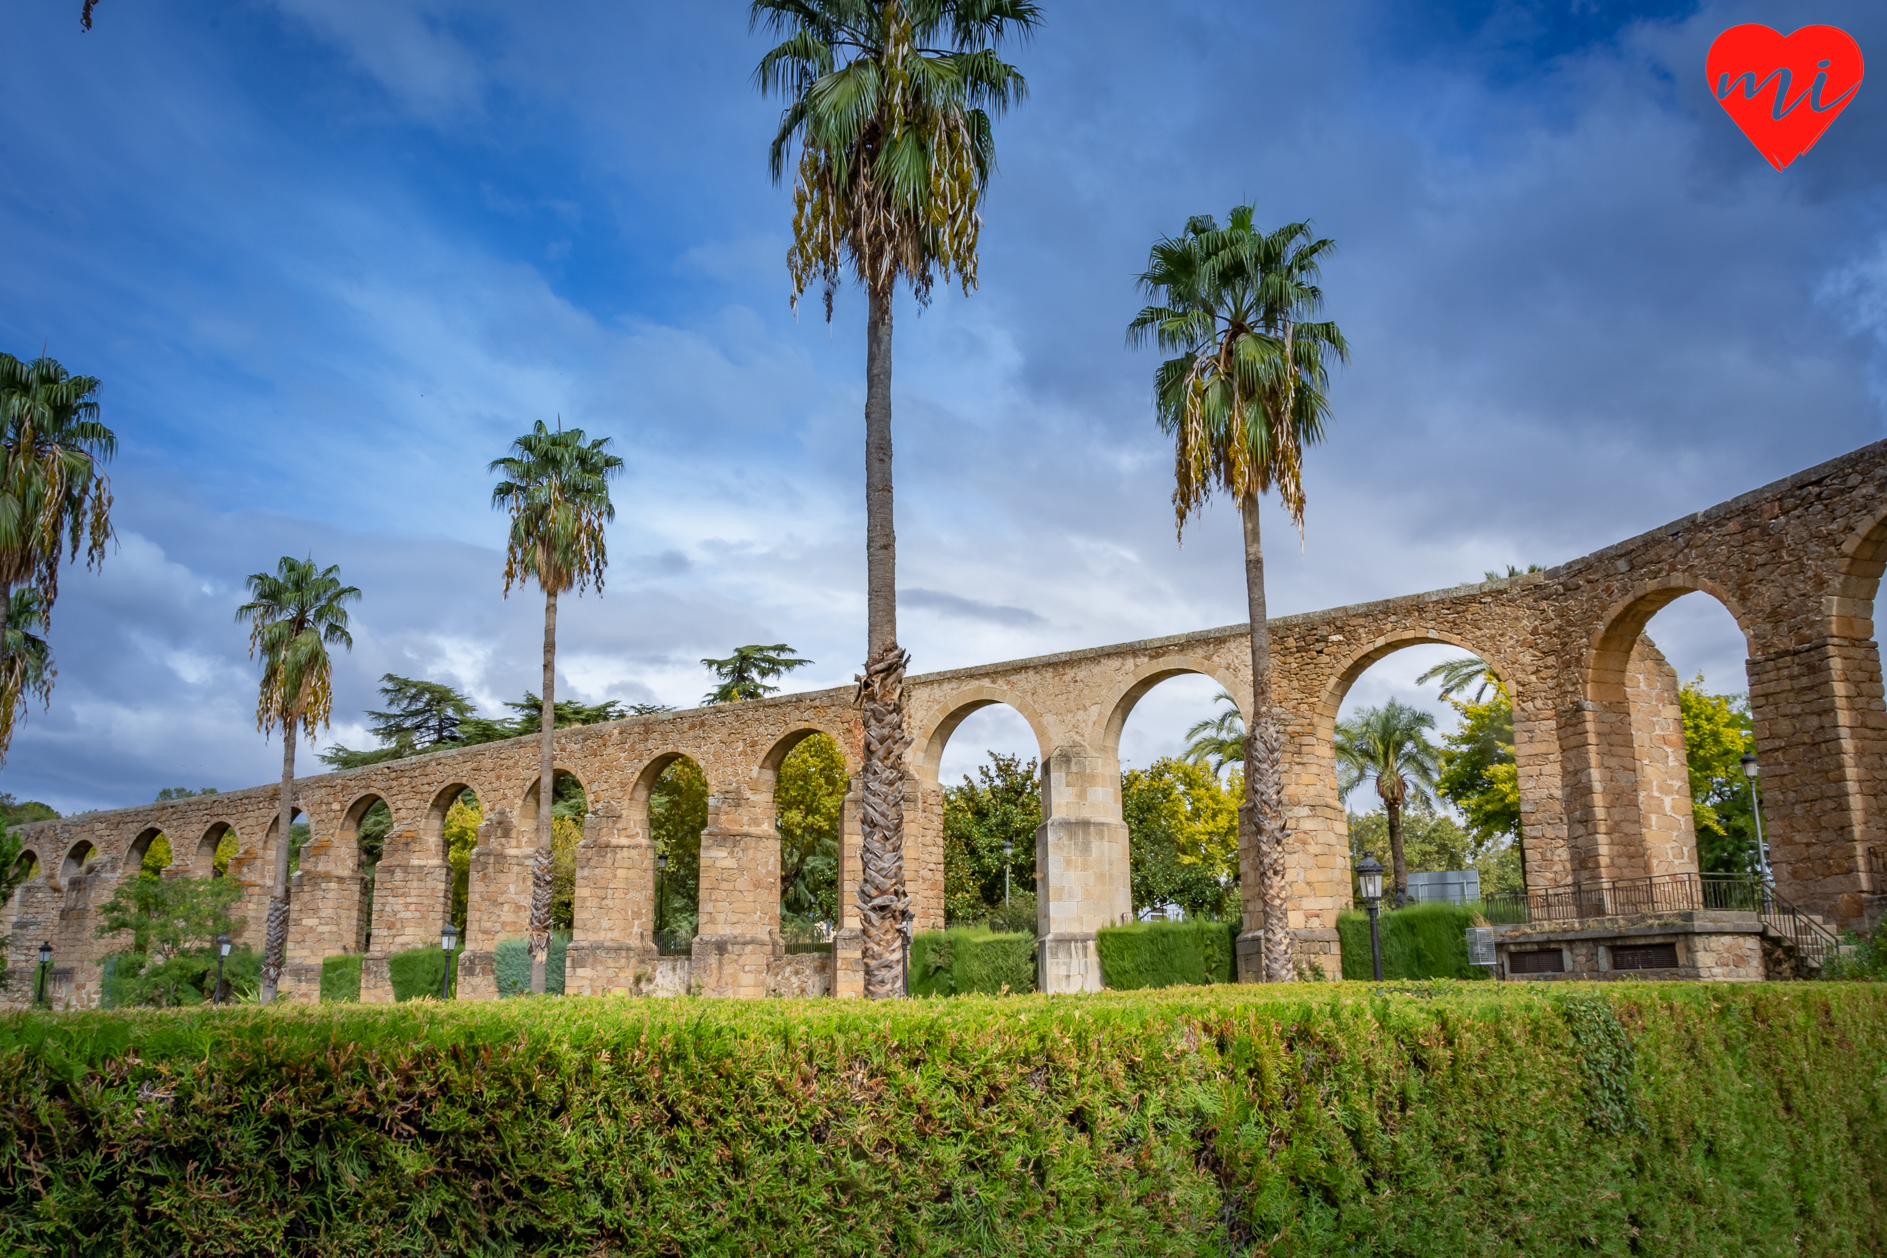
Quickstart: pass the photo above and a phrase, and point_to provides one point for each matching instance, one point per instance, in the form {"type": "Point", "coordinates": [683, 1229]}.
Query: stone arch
{"type": "Point", "coordinates": [1848, 610]}
{"type": "Point", "coordinates": [670, 936]}
{"type": "Point", "coordinates": [203, 860]}
{"type": "Point", "coordinates": [526, 818]}
{"type": "Point", "coordinates": [1106, 736]}
{"type": "Point", "coordinates": [1616, 635]}
{"type": "Point", "coordinates": [28, 859]}
{"type": "Point", "coordinates": [140, 846]}
{"type": "Point", "coordinates": [931, 739]}
{"type": "Point", "coordinates": [77, 859]}
{"type": "Point", "coordinates": [763, 814]}
{"type": "Point", "coordinates": [431, 845]}
{"type": "Point", "coordinates": [1372, 653]}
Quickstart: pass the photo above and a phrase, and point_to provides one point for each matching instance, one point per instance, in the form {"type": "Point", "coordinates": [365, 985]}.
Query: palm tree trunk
{"type": "Point", "coordinates": [275, 941]}
{"type": "Point", "coordinates": [882, 902]}
{"type": "Point", "coordinates": [546, 791]}
{"type": "Point", "coordinates": [1394, 810]}
{"type": "Point", "coordinates": [1261, 817]}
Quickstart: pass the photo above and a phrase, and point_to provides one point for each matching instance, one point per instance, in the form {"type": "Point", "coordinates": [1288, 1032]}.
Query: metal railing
{"type": "Point", "coordinates": [1667, 893]}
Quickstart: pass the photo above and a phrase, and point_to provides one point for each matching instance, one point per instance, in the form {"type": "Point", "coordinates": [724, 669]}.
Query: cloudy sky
{"type": "Point", "coordinates": [329, 257]}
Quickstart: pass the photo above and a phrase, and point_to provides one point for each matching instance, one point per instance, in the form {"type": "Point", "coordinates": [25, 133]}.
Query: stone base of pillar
{"type": "Point", "coordinates": [596, 968]}
{"type": "Point", "coordinates": [848, 963]}
{"type": "Point", "coordinates": [1248, 961]}
{"type": "Point", "coordinates": [301, 983]}
{"type": "Point", "coordinates": [1873, 909]}
{"type": "Point", "coordinates": [1312, 949]}
{"type": "Point", "coordinates": [478, 976]}
{"type": "Point", "coordinates": [1068, 962]}
{"type": "Point", "coordinates": [376, 982]}
{"type": "Point", "coordinates": [732, 965]}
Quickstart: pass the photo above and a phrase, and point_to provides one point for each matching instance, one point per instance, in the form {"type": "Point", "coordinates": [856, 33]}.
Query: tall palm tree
{"type": "Point", "coordinates": [26, 667]}
{"type": "Point", "coordinates": [556, 487]}
{"type": "Point", "coordinates": [296, 613]}
{"type": "Point", "coordinates": [745, 673]}
{"type": "Point", "coordinates": [54, 495]}
{"type": "Point", "coordinates": [1457, 675]}
{"type": "Point", "coordinates": [1217, 740]}
{"type": "Point", "coordinates": [1389, 746]}
{"type": "Point", "coordinates": [890, 102]}
{"type": "Point", "coordinates": [1242, 397]}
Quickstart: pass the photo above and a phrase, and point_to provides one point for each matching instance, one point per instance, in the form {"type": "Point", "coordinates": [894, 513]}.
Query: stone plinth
{"type": "Point", "coordinates": [1710, 946]}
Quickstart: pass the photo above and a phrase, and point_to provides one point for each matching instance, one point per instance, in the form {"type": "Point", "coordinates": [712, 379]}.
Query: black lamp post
{"type": "Point", "coordinates": [1369, 891]}
{"type": "Point", "coordinates": [222, 954]}
{"type": "Point", "coordinates": [905, 931]}
{"type": "Point", "coordinates": [1750, 769]}
{"type": "Point", "coordinates": [448, 937]}
{"type": "Point", "coordinates": [1008, 859]}
{"type": "Point", "coordinates": [661, 896]}
{"type": "Point", "coordinates": [45, 963]}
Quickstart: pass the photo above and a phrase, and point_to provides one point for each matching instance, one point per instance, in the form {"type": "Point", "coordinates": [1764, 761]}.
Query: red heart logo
{"type": "Point", "coordinates": [1784, 91]}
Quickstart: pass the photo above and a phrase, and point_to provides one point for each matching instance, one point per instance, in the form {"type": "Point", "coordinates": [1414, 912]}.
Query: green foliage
{"type": "Point", "coordinates": [1608, 1063]}
{"type": "Point", "coordinates": [1428, 940]}
{"type": "Point", "coordinates": [1182, 832]}
{"type": "Point", "coordinates": [1166, 954]}
{"type": "Point", "coordinates": [166, 930]}
{"type": "Point", "coordinates": [295, 614]}
{"type": "Point", "coordinates": [1478, 775]}
{"type": "Point", "coordinates": [1433, 841]}
{"type": "Point", "coordinates": [156, 857]}
{"type": "Point", "coordinates": [461, 836]}
{"type": "Point", "coordinates": [183, 792]}
{"type": "Point", "coordinates": [340, 978]}
{"type": "Point", "coordinates": [1217, 741]}
{"type": "Point", "coordinates": [809, 798]}
{"type": "Point", "coordinates": [1001, 805]}
{"type": "Point", "coordinates": [678, 812]}
{"type": "Point", "coordinates": [969, 960]}
{"type": "Point", "coordinates": [511, 966]}
{"type": "Point", "coordinates": [1016, 917]}
{"type": "Point", "coordinates": [416, 972]}
{"type": "Point", "coordinates": [1867, 960]}
{"type": "Point", "coordinates": [23, 813]}
{"type": "Point", "coordinates": [745, 674]}
{"type": "Point", "coordinates": [556, 487]}
{"type": "Point", "coordinates": [1440, 1119]}
{"type": "Point", "coordinates": [1717, 734]}
{"type": "Point", "coordinates": [420, 716]}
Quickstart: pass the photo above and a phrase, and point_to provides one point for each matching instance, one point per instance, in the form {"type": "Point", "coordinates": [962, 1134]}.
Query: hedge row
{"type": "Point", "coordinates": [1428, 940]}
{"type": "Point", "coordinates": [419, 972]}
{"type": "Point", "coordinates": [340, 978]}
{"type": "Point", "coordinates": [971, 959]}
{"type": "Point", "coordinates": [1654, 1119]}
{"type": "Point", "coordinates": [1166, 954]}
{"type": "Point", "coordinates": [511, 964]}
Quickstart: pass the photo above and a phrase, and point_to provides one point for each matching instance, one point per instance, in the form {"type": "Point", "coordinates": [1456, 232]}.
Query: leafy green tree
{"type": "Point", "coordinates": [295, 615]}
{"type": "Point", "coordinates": [15, 868]}
{"type": "Point", "coordinates": [1001, 804]}
{"type": "Point", "coordinates": [1182, 827]}
{"type": "Point", "coordinates": [1511, 572]}
{"type": "Point", "coordinates": [1219, 740]}
{"type": "Point", "coordinates": [54, 500]}
{"type": "Point", "coordinates": [808, 799]}
{"type": "Point", "coordinates": [744, 674]}
{"type": "Point", "coordinates": [556, 487]}
{"type": "Point", "coordinates": [1389, 746]}
{"type": "Point", "coordinates": [26, 666]}
{"type": "Point", "coordinates": [183, 792]}
{"type": "Point", "coordinates": [890, 103]}
{"type": "Point", "coordinates": [420, 716]}
{"type": "Point", "coordinates": [15, 812]}
{"type": "Point", "coordinates": [678, 813]}
{"type": "Point", "coordinates": [1433, 841]}
{"type": "Point", "coordinates": [1242, 396]}
{"type": "Point", "coordinates": [1478, 773]}
{"type": "Point", "coordinates": [169, 956]}
{"type": "Point", "coordinates": [1717, 735]}
{"type": "Point", "coordinates": [1457, 675]}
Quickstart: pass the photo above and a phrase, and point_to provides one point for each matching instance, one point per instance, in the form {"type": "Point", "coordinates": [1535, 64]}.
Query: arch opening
{"type": "Point", "coordinates": [451, 831]}
{"type": "Point", "coordinates": [218, 846]}
{"type": "Point", "coordinates": [26, 866]}
{"type": "Point", "coordinates": [670, 805]}
{"type": "Point", "coordinates": [989, 761]}
{"type": "Point", "coordinates": [806, 775]}
{"type": "Point", "coordinates": [78, 861]}
{"type": "Point", "coordinates": [569, 805]}
{"type": "Point", "coordinates": [149, 854]}
{"type": "Point", "coordinates": [364, 830]}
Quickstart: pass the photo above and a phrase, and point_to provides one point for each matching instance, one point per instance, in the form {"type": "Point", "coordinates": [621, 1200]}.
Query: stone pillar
{"type": "Point", "coordinates": [1603, 737]}
{"type": "Point", "coordinates": [324, 912]}
{"type": "Point", "coordinates": [1083, 878]}
{"type": "Point", "coordinates": [848, 943]}
{"type": "Point", "coordinates": [739, 931]}
{"type": "Point", "coordinates": [1821, 737]}
{"type": "Point", "coordinates": [497, 901]}
{"type": "Point", "coordinates": [1667, 829]}
{"type": "Point", "coordinates": [612, 948]}
{"type": "Point", "coordinates": [412, 900]}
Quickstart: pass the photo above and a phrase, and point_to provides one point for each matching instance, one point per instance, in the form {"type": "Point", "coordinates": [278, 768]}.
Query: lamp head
{"type": "Point", "coordinates": [448, 937]}
{"type": "Point", "coordinates": [222, 944]}
{"type": "Point", "coordinates": [45, 953]}
{"type": "Point", "coordinates": [1749, 766]}
{"type": "Point", "coordinates": [661, 861]}
{"type": "Point", "coordinates": [1369, 879]}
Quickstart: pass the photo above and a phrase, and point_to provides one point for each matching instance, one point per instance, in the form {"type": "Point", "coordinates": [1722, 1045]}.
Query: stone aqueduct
{"type": "Point", "coordinates": [1598, 741]}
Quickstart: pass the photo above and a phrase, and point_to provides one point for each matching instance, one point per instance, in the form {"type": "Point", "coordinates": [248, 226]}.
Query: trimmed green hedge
{"type": "Point", "coordinates": [340, 978]}
{"type": "Point", "coordinates": [1166, 954]}
{"type": "Point", "coordinates": [511, 965]}
{"type": "Point", "coordinates": [1662, 1119]}
{"type": "Point", "coordinates": [970, 959]}
{"type": "Point", "coordinates": [1422, 941]}
{"type": "Point", "coordinates": [417, 972]}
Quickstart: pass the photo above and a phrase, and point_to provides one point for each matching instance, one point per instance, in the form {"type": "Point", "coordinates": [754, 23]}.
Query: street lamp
{"type": "Point", "coordinates": [222, 954]}
{"type": "Point", "coordinates": [661, 896]}
{"type": "Point", "coordinates": [1008, 859]}
{"type": "Point", "coordinates": [1369, 888]}
{"type": "Point", "coordinates": [448, 937]}
{"type": "Point", "coordinates": [1756, 810]}
{"type": "Point", "coordinates": [45, 963]}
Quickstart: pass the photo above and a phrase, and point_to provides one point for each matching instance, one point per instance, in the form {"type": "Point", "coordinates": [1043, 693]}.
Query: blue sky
{"type": "Point", "coordinates": [330, 257]}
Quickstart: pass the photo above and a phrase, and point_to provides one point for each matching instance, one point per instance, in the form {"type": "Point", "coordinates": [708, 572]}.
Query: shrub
{"type": "Point", "coordinates": [417, 972]}
{"type": "Point", "coordinates": [970, 959]}
{"type": "Point", "coordinates": [1610, 1119]}
{"type": "Point", "coordinates": [511, 965]}
{"type": "Point", "coordinates": [1867, 960]}
{"type": "Point", "coordinates": [1427, 940]}
{"type": "Point", "coordinates": [1166, 954]}
{"type": "Point", "coordinates": [340, 978]}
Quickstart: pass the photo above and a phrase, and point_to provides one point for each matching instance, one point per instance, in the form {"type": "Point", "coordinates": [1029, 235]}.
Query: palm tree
{"type": "Point", "coordinates": [890, 102]}
{"type": "Point", "coordinates": [54, 494]}
{"type": "Point", "coordinates": [26, 667]}
{"type": "Point", "coordinates": [1242, 397]}
{"type": "Point", "coordinates": [557, 489]}
{"type": "Point", "coordinates": [1389, 746]}
{"type": "Point", "coordinates": [744, 674]}
{"type": "Point", "coordinates": [1217, 740]}
{"type": "Point", "coordinates": [295, 615]}
{"type": "Point", "coordinates": [1457, 675]}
